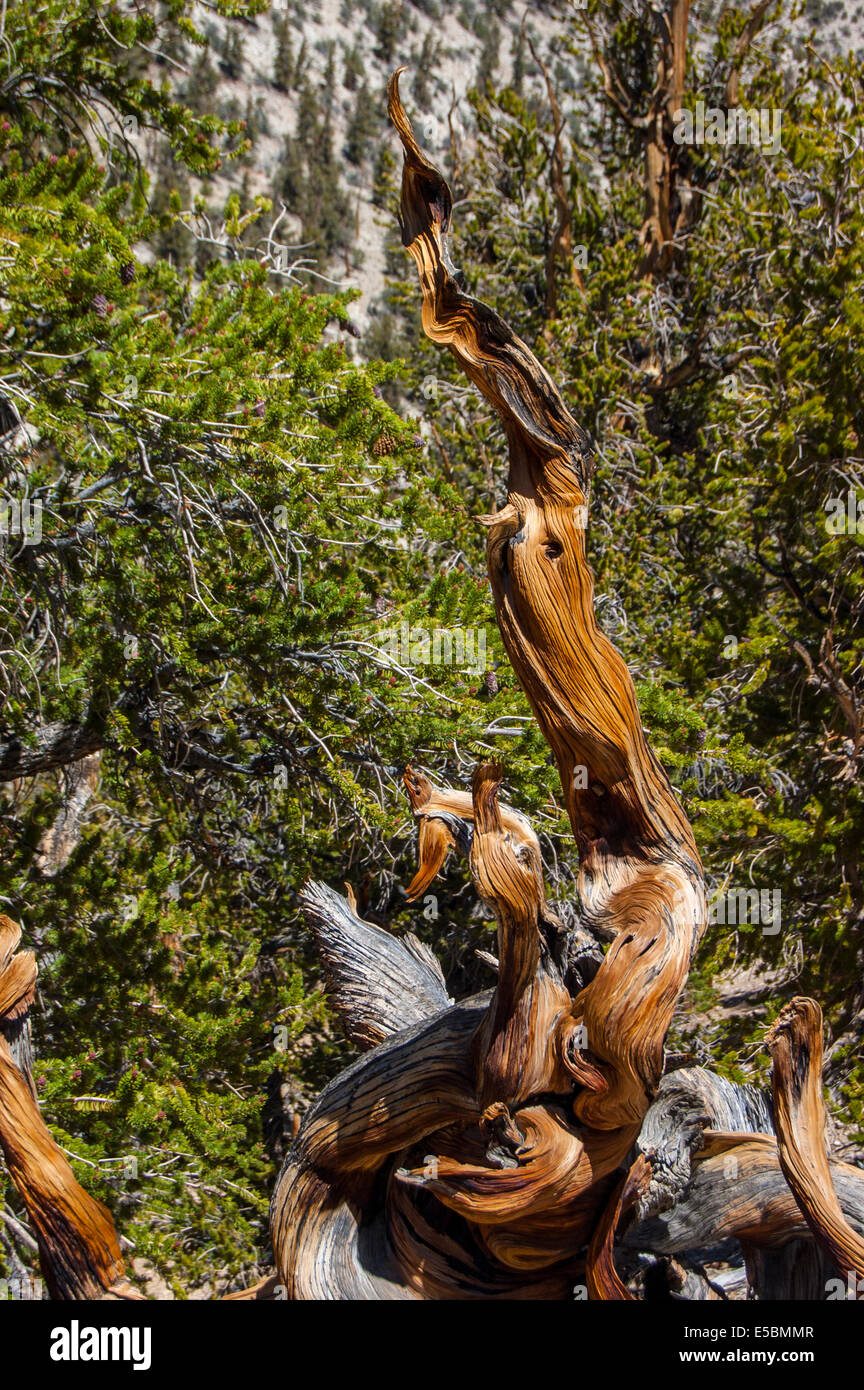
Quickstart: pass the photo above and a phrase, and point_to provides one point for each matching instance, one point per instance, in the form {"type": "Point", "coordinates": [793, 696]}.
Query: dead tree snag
{"type": "Point", "coordinates": [500, 1148]}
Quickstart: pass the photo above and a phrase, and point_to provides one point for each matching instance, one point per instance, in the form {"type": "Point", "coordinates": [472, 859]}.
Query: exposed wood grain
{"type": "Point", "coordinates": [604, 1282]}
{"type": "Point", "coordinates": [749, 1200]}
{"type": "Point", "coordinates": [689, 1103]}
{"type": "Point", "coordinates": [640, 876]}
{"type": "Point", "coordinates": [378, 984]}
{"type": "Point", "coordinates": [79, 1252]}
{"type": "Point", "coordinates": [795, 1043]}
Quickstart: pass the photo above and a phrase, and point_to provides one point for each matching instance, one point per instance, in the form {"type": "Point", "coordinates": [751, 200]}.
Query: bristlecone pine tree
{"type": "Point", "coordinates": [522, 1142]}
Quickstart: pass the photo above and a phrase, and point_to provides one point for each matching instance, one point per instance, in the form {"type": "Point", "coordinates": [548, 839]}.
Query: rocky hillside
{"type": "Point", "coordinates": [309, 80]}
{"type": "Point", "coordinates": [308, 77]}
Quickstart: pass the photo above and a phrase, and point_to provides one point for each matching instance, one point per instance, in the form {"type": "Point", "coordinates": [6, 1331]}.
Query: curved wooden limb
{"type": "Point", "coordinates": [601, 1275]}
{"type": "Point", "coordinates": [738, 1189]}
{"type": "Point", "coordinates": [79, 1252]}
{"type": "Point", "coordinates": [471, 1158]}
{"type": "Point", "coordinates": [640, 877]}
{"type": "Point", "coordinates": [689, 1103]}
{"type": "Point", "coordinates": [717, 1175]}
{"type": "Point", "coordinates": [795, 1044]}
{"type": "Point", "coordinates": [518, 1051]}
{"type": "Point", "coordinates": [442, 1256]}
{"type": "Point", "coordinates": [406, 1088]}
{"type": "Point", "coordinates": [446, 817]}
{"type": "Point", "coordinates": [329, 1237]}
{"type": "Point", "coordinates": [530, 1180]}
{"type": "Point", "coordinates": [379, 984]}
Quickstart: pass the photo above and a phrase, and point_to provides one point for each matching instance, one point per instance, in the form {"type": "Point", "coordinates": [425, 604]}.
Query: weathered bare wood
{"type": "Point", "coordinates": [689, 1102]}
{"type": "Point", "coordinates": [716, 1174]}
{"type": "Point", "coordinates": [603, 1279]}
{"type": "Point", "coordinates": [56, 745]}
{"type": "Point", "coordinates": [529, 1001]}
{"type": "Point", "coordinates": [78, 1248]}
{"type": "Point", "coordinates": [739, 1190]}
{"type": "Point", "coordinates": [524, 1171]}
{"type": "Point", "coordinates": [345, 1140]}
{"type": "Point", "coordinates": [640, 875]}
{"type": "Point", "coordinates": [795, 1043]}
{"type": "Point", "coordinates": [61, 838]}
{"type": "Point", "coordinates": [378, 984]}
{"type": "Point", "coordinates": [446, 821]}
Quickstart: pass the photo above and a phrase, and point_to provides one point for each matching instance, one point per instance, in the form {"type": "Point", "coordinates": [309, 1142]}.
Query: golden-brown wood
{"type": "Point", "coordinates": [78, 1247]}
{"type": "Point", "coordinates": [479, 1155]}
{"type": "Point", "coordinates": [604, 1282]}
{"type": "Point", "coordinates": [795, 1043]}
{"type": "Point", "coordinates": [640, 876]}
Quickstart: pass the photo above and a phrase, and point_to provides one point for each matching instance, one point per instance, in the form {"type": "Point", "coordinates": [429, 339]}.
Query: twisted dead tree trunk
{"type": "Point", "coordinates": [496, 1149]}
{"type": "Point", "coordinates": [640, 876]}
{"type": "Point", "coordinates": [671, 205]}
{"type": "Point", "coordinates": [517, 1143]}
{"type": "Point", "coordinates": [673, 198]}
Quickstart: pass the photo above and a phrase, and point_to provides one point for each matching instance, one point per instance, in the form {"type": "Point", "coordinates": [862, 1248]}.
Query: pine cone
{"type": "Point", "coordinates": [385, 444]}
{"type": "Point", "coordinates": [127, 273]}
{"type": "Point", "coordinates": [100, 304]}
